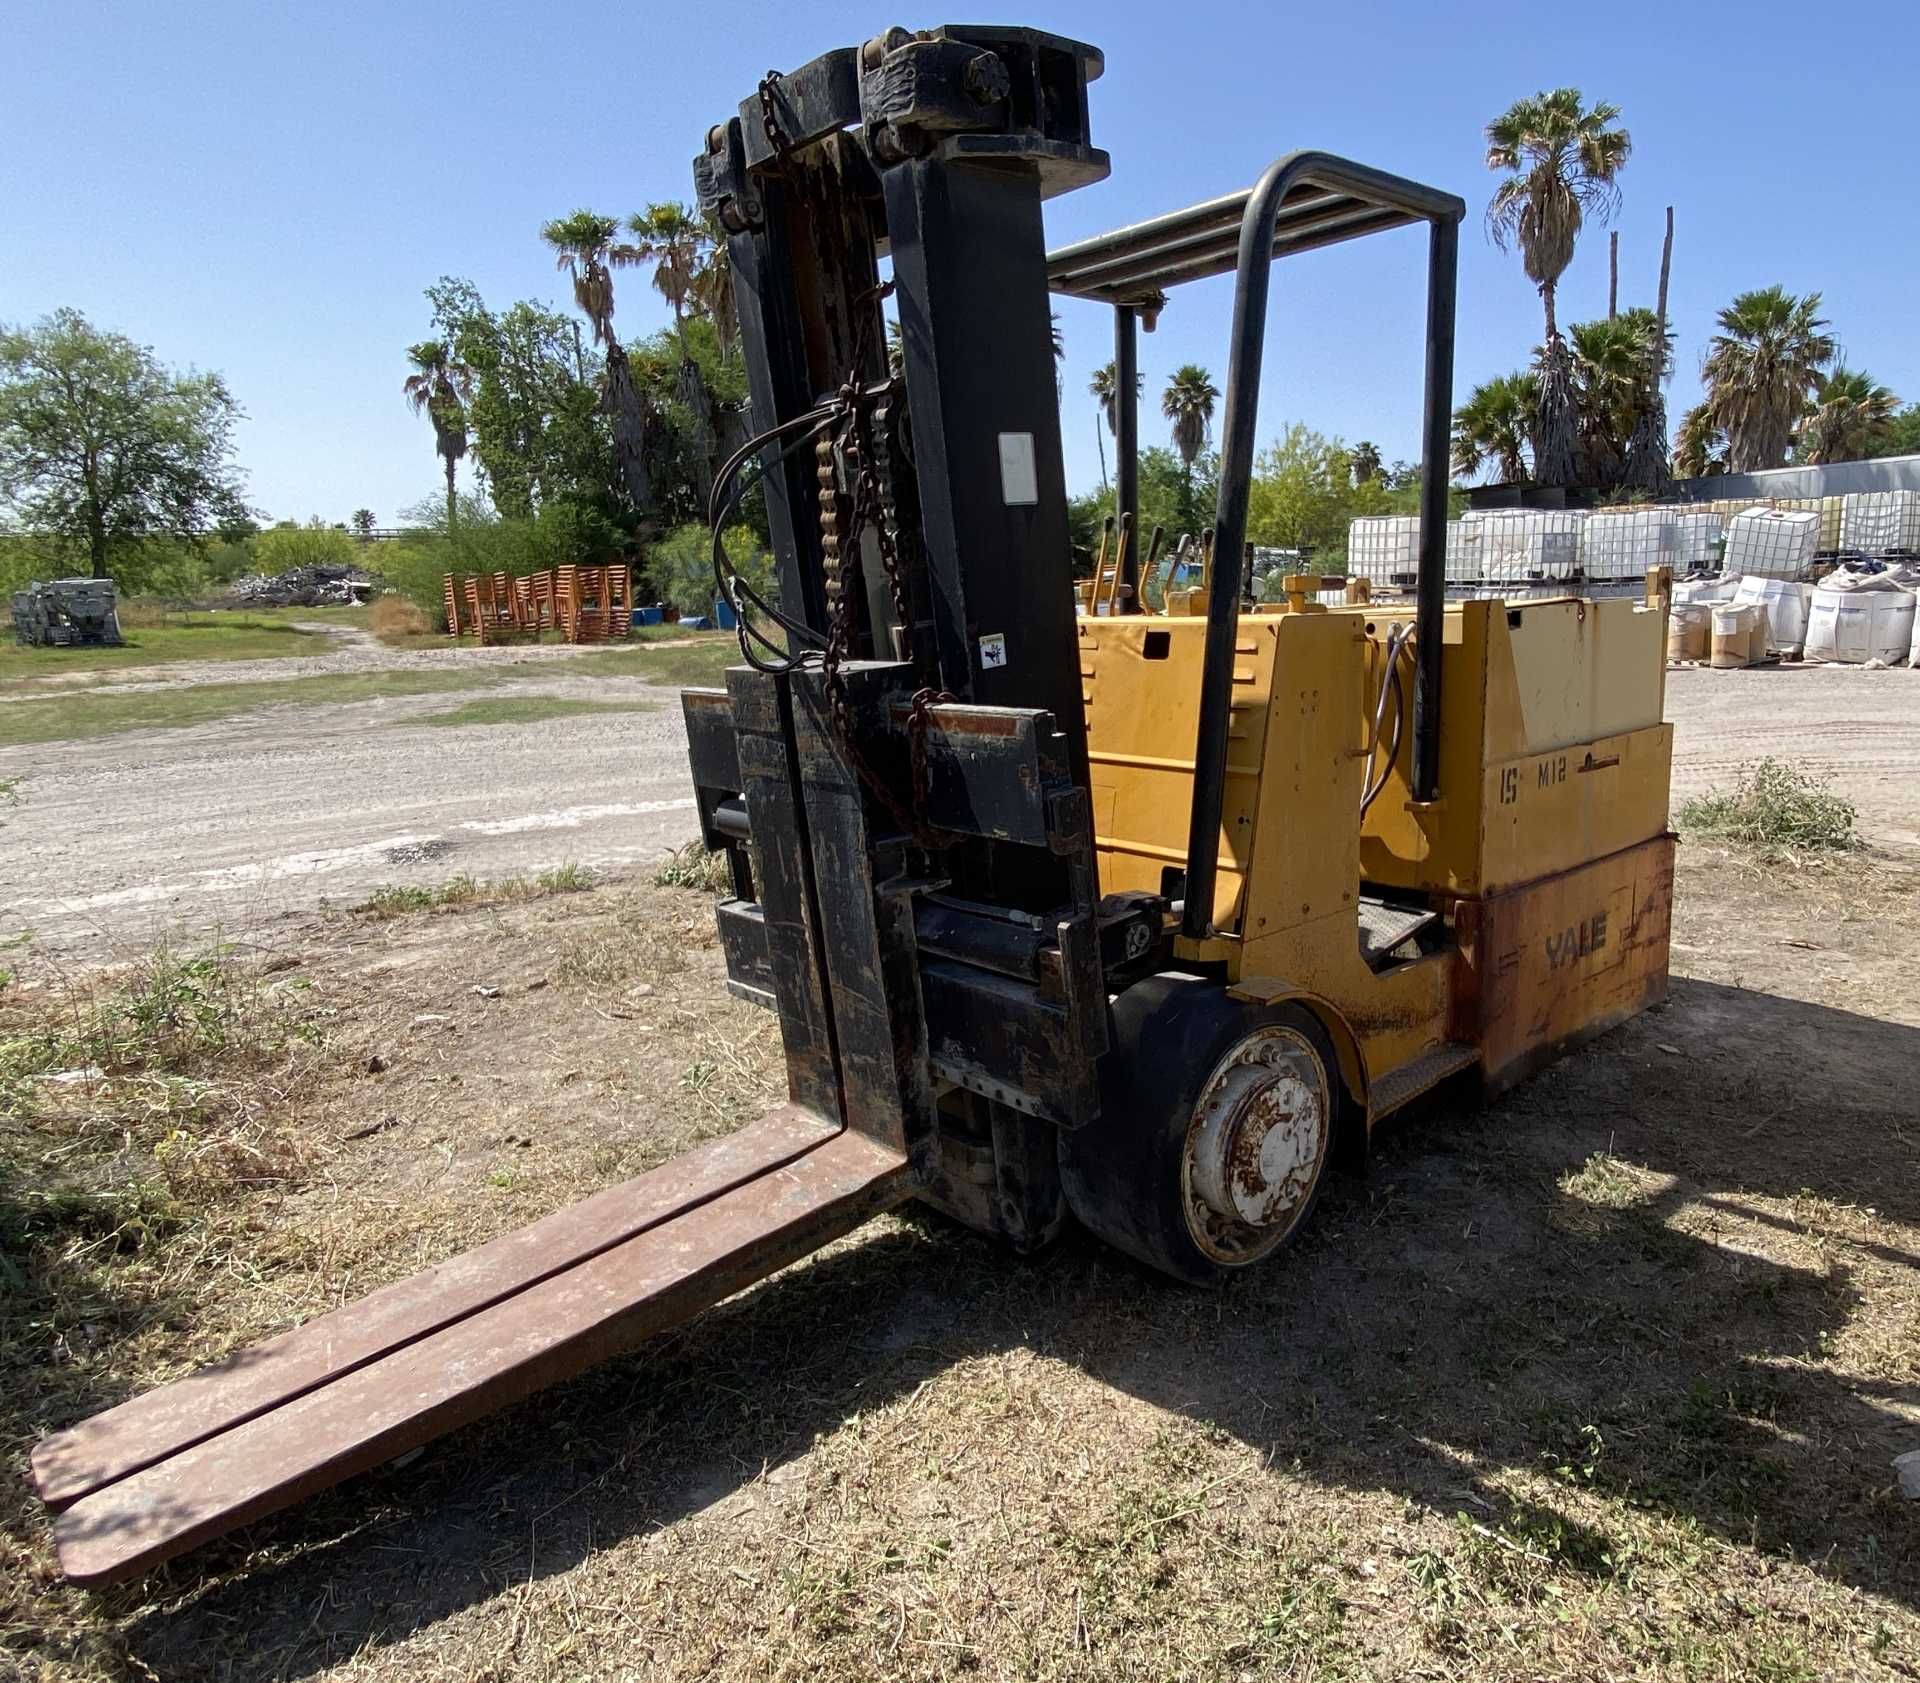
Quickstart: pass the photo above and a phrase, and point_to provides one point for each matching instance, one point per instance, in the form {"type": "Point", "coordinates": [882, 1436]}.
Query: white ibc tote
{"type": "Point", "coordinates": [1880, 520]}
{"type": "Point", "coordinates": [1699, 534]}
{"type": "Point", "coordinates": [1772, 543]}
{"type": "Point", "coordinates": [1520, 546]}
{"type": "Point", "coordinates": [1384, 548]}
{"type": "Point", "coordinates": [1623, 544]}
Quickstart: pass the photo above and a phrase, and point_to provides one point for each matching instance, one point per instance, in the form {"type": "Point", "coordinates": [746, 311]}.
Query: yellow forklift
{"type": "Point", "coordinates": [1128, 918]}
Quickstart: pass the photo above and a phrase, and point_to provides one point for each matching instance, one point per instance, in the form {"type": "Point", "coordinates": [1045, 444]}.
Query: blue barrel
{"type": "Point", "coordinates": [723, 614]}
{"type": "Point", "coordinates": [646, 616]}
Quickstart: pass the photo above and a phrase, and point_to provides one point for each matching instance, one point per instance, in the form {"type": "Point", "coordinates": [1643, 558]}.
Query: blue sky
{"type": "Point", "coordinates": [264, 188]}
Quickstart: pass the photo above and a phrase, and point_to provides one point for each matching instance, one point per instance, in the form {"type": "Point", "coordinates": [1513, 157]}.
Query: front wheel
{"type": "Point", "coordinates": [1217, 1116]}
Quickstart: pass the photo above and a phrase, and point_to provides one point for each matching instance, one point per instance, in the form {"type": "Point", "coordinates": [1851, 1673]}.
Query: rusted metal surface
{"type": "Point", "coordinates": [1258, 1139]}
{"type": "Point", "coordinates": [68, 1465]}
{"type": "Point", "coordinates": [1563, 959]}
{"type": "Point", "coordinates": [548, 1332]}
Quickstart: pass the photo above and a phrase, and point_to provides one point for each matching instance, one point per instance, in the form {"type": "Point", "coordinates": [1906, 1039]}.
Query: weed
{"type": "Point", "coordinates": [397, 900]}
{"type": "Point", "coordinates": [1778, 809]}
{"type": "Point", "coordinates": [463, 889]}
{"type": "Point", "coordinates": [693, 866]}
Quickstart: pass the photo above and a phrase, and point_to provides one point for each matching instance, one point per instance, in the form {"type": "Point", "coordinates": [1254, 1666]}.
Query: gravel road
{"type": "Point", "coordinates": [227, 825]}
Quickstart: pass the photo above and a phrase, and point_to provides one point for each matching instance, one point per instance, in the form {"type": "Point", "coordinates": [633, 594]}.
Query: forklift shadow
{"type": "Point", "coordinates": [1643, 1275]}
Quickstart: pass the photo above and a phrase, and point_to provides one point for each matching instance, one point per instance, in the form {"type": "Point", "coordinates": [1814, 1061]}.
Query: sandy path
{"type": "Point", "coordinates": [254, 817]}
{"type": "Point", "coordinates": [228, 824]}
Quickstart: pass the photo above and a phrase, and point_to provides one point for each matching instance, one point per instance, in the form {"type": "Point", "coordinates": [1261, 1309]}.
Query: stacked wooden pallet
{"type": "Point", "coordinates": [584, 604]}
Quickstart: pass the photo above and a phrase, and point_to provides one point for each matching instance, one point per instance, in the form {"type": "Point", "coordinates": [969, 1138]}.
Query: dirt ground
{"type": "Point", "coordinates": [1602, 1380]}
{"type": "Point", "coordinates": [1860, 728]}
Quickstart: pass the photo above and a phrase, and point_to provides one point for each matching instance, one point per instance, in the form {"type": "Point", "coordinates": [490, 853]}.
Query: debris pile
{"type": "Point", "coordinates": [323, 585]}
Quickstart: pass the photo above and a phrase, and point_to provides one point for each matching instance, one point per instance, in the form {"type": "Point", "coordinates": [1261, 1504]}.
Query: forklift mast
{"type": "Point", "coordinates": [900, 780]}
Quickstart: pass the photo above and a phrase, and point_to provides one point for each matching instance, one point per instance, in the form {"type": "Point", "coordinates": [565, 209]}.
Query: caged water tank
{"type": "Point", "coordinates": [1772, 543]}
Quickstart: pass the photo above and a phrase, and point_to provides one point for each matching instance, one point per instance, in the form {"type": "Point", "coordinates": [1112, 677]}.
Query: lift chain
{"type": "Point", "coordinates": [770, 118]}
{"type": "Point", "coordinates": [842, 531]}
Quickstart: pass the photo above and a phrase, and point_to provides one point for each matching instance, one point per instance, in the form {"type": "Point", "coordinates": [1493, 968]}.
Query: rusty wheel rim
{"type": "Point", "coordinates": [1255, 1146]}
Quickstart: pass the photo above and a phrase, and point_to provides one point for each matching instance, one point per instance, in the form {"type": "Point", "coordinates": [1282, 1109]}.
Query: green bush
{"type": "Point", "coordinates": [1778, 809]}
{"type": "Point", "coordinates": [315, 544]}
{"type": "Point", "coordinates": [681, 565]}
{"type": "Point", "coordinates": [561, 534]}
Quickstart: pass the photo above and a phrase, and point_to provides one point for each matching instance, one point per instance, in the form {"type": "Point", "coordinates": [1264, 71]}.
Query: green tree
{"type": "Point", "coordinates": [539, 433]}
{"type": "Point", "coordinates": [1562, 159]}
{"type": "Point", "coordinates": [1760, 370]}
{"type": "Point", "coordinates": [1304, 495]}
{"type": "Point", "coordinates": [1492, 428]}
{"type": "Point", "coordinates": [1366, 462]}
{"type": "Point", "coordinates": [104, 448]}
{"type": "Point", "coordinates": [1188, 403]}
{"type": "Point", "coordinates": [586, 251]}
{"type": "Point", "coordinates": [1850, 411]}
{"type": "Point", "coordinates": [364, 521]}
{"type": "Point", "coordinates": [1901, 435]}
{"type": "Point", "coordinates": [440, 385]}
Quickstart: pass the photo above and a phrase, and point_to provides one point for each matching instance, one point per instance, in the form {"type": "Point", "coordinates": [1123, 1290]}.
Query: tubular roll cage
{"type": "Point", "coordinates": [1304, 200]}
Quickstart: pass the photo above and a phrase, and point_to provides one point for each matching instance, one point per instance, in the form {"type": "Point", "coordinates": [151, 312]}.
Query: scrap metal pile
{"type": "Point", "coordinates": [584, 604]}
{"type": "Point", "coordinates": [323, 585]}
{"type": "Point", "coordinates": [64, 612]}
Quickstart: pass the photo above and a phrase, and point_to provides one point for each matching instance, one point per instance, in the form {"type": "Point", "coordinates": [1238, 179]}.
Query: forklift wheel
{"type": "Point", "coordinates": [1216, 1120]}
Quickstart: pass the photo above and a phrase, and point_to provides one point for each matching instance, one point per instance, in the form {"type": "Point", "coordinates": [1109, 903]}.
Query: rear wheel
{"type": "Point", "coordinates": [1217, 1117]}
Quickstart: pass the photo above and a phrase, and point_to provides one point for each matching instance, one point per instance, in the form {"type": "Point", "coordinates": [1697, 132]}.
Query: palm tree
{"type": "Point", "coordinates": [1616, 377]}
{"type": "Point", "coordinates": [711, 294]}
{"type": "Point", "coordinates": [363, 523]}
{"type": "Point", "coordinates": [675, 241]}
{"type": "Point", "coordinates": [1849, 409]}
{"type": "Point", "coordinates": [1188, 403]}
{"type": "Point", "coordinates": [441, 386]}
{"type": "Point", "coordinates": [1366, 462]}
{"type": "Point", "coordinates": [1561, 159]}
{"type": "Point", "coordinates": [1493, 427]}
{"type": "Point", "coordinates": [1105, 387]}
{"type": "Point", "coordinates": [585, 251]}
{"type": "Point", "coordinates": [1700, 446]}
{"type": "Point", "coordinates": [1761, 368]}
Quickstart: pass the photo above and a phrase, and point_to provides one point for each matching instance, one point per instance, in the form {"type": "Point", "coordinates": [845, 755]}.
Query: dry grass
{"type": "Point", "coordinates": [1600, 1381]}
{"type": "Point", "coordinates": [394, 616]}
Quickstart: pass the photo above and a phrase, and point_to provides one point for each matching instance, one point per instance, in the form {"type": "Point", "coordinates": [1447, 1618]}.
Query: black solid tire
{"type": "Point", "coordinates": [1123, 1173]}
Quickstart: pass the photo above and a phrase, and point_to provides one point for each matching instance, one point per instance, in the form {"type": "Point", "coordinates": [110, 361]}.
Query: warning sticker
{"type": "Point", "coordinates": [993, 651]}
